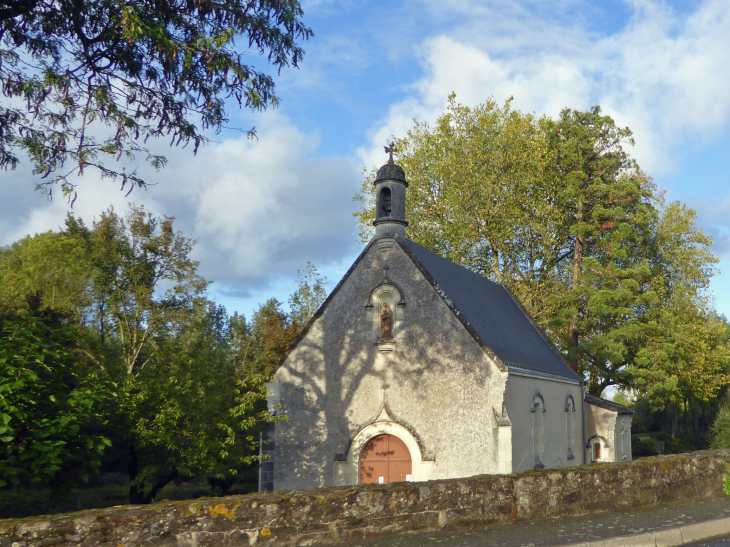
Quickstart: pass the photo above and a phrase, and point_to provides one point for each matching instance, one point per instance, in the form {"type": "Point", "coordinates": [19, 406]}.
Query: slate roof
{"type": "Point", "coordinates": [608, 405]}
{"type": "Point", "coordinates": [496, 317]}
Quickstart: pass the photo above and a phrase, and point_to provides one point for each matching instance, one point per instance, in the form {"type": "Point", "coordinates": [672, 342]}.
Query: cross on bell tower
{"type": "Point", "coordinates": [389, 150]}
{"type": "Point", "coordinates": [390, 198]}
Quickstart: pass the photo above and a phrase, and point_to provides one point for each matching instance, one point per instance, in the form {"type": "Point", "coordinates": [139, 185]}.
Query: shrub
{"type": "Point", "coordinates": [721, 428]}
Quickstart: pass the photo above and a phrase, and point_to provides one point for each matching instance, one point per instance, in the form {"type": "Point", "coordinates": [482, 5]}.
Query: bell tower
{"type": "Point", "coordinates": [390, 198]}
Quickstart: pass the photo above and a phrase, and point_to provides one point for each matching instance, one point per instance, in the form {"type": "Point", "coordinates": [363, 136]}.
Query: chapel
{"type": "Point", "coordinates": [416, 368]}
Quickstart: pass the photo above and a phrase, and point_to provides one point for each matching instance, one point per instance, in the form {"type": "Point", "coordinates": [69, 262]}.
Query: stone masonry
{"type": "Point", "coordinates": [339, 515]}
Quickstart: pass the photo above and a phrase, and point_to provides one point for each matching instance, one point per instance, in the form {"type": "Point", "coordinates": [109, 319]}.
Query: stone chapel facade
{"type": "Point", "coordinates": [416, 368]}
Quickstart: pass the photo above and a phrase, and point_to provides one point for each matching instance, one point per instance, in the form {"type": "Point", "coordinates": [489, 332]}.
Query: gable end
{"type": "Point", "coordinates": [460, 316]}
{"type": "Point", "coordinates": [324, 305]}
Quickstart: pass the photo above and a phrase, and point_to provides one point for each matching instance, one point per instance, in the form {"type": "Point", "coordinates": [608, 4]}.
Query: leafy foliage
{"type": "Point", "coordinates": [131, 258]}
{"type": "Point", "coordinates": [192, 411]}
{"type": "Point", "coordinates": [189, 393]}
{"type": "Point", "coordinates": [273, 334]}
{"type": "Point", "coordinates": [91, 80]}
{"type": "Point", "coordinates": [42, 273]}
{"type": "Point", "coordinates": [310, 295]}
{"type": "Point", "coordinates": [721, 428]}
{"type": "Point", "coordinates": [48, 406]}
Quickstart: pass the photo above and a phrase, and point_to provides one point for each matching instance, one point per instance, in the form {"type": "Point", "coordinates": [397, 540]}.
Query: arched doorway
{"type": "Point", "coordinates": [385, 459]}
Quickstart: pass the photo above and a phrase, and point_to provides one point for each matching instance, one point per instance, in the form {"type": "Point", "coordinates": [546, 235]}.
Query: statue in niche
{"type": "Point", "coordinates": [386, 322]}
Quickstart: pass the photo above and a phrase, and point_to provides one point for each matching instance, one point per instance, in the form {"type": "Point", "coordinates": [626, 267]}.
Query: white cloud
{"type": "Point", "coordinates": [259, 209]}
{"type": "Point", "coordinates": [666, 77]}
{"type": "Point", "coordinates": [263, 208]}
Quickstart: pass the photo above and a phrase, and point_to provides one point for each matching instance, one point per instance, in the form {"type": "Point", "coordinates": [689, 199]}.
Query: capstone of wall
{"type": "Point", "coordinates": [339, 515]}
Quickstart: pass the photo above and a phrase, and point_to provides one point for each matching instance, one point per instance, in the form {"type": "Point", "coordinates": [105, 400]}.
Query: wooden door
{"type": "Point", "coordinates": [385, 459]}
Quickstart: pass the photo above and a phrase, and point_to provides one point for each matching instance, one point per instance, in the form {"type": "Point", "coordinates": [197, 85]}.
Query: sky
{"type": "Point", "coordinates": [261, 209]}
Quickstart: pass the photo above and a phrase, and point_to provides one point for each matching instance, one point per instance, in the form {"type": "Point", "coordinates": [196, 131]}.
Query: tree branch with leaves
{"type": "Point", "coordinates": [90, 81]}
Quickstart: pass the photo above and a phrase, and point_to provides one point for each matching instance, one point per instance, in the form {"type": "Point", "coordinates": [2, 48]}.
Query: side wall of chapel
{"type": "Point", "coordinates": [559, 423]}
{"type": "Point", "coordinates": [439, 388]}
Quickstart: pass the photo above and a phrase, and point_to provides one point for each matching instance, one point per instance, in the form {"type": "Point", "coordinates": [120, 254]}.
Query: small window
{"type": "Point", "coordinates": [385, 202]}
{"type": "Point", "coordinates": [597, 451]}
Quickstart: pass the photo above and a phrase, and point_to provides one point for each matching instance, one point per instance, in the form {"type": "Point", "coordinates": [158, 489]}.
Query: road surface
{"type": "Point", "coordinates": [565, 530]}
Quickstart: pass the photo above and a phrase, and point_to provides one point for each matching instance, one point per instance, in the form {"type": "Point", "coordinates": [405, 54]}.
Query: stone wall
{"type": "Point", "coordinates": [338, 515]}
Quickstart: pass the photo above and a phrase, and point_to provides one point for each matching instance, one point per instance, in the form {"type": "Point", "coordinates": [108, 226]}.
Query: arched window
{"type": "Point", "coordinates": [569, 425]}
{"type": "Point", "coordinates": [385, 202]}
{"type": "Point", "coordinates": [597, 454]}
{"type": "Point", "coordinates": [538, 432]}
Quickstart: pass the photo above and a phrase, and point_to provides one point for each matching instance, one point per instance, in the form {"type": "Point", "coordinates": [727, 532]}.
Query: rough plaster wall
{"type": "Point", "coordinates": [603, 422]}
{"type": "Point", "coordinates": [520, 391]}
{"type": "Point", "coordinates": [623, 420]}
{"type": "Point", "coordinates": [441, 384]}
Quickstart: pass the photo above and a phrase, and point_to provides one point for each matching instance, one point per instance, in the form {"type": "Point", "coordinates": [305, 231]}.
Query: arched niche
{"type": "Point", "coordinates": [570, 425]}
{"type": "Point", "coordinates": [569, 404]}
{"type": "Point", "coordinates": [385, 293]}
{"type": "Point", "coordinates": [537, 409]}
{"type": "Point", "coordinates": [538, 401]}
{"type": "Point", "coordinates": [348, 471]}
{"type": "Point", "coordinates": [599, 449]}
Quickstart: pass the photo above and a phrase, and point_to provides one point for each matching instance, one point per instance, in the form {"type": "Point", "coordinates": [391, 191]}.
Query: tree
{"type": "Point", "coordinates": [273, 334]}
{"type": "Point", "coordinates": [559, 212]}
{"type": "Point", "coordinates": [310, 295]}
{"type": "Point", "coordinates": [680, 347]}
{"type": "Point", "coordinates": [608, 205]}
{"type": "Point", "coordinates": [44, 273]}
{"type": "Point", "coordinates": [50, 407]}
{"type": "Point", "coordinates": [182, 404]}
{"type": "Point", "coordinates": [172, 354]}
{"type": "Point", "coordinates": [132, 258]}
{"type": "Point", "coordinates": [193, 412]}
{"type": "Point", "coordinates": [92, 80]}
{"type": "Point", "coordinates": [721, 427]}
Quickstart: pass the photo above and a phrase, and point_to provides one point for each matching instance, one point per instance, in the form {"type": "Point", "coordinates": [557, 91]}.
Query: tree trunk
{"type": "Point", "coordinates": [136, 496]}
{"type": "Point", "coordinates": [161, 483]}
{"type": "Point", "coordinates": [674, 419]}
{"type": "Point", "coordinates": [577, 268]}
{"type": "Point", "coordinates": [136, 493]}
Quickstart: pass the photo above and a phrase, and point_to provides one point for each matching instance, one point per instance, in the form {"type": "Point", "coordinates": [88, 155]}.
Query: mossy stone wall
{"type": "Point", "coordinates": [338, 515]}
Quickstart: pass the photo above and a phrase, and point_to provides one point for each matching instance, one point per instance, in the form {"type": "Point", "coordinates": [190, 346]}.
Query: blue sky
{"type": "Point", "coordinates": [261, 209]}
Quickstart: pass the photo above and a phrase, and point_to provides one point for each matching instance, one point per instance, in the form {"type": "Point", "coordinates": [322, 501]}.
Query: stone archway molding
{"type": "Point", "coordinates": [348, 471]}
{"type": "Point", "coordinates": [607, 451]}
